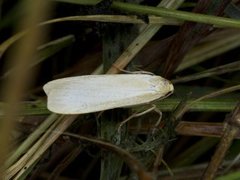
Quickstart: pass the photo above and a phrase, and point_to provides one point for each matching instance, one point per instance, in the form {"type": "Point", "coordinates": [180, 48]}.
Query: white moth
{"type": "Point", "coordinates": [92, 93]}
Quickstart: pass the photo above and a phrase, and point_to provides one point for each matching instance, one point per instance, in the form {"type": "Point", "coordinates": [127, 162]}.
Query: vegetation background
{"type": "Point", "coordinates": [195, 44]}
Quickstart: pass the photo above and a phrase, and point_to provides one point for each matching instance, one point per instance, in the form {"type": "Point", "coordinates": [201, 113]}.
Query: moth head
{"type": "Point", "coordinates": [163, 86]}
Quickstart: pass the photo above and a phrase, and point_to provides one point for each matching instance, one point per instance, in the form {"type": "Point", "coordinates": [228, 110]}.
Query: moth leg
{"type": "Point", "coordinates": [153, 108]}
{"type": "Point", "coordinates": [159, 119]}
{"type": "Point", "coordinates": [100, 114]}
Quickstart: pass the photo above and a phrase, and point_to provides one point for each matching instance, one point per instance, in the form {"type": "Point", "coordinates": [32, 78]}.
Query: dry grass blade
{"type": "Point", "coordinates": [211, 95]}
{"type": "Point", "coordinates": [115, 19]}
{"type": "Point", "coordinates": [190, 34]}
{"type": "Point", "coordinates": [31, 139]}
{"type": "Point", "coordinates": [227, 68]}
{"type": "Point", "coordinates": [36, 151]}
{"type": "Point", "coordinates": [147, 33]}
{"type": "Point", "coordinates": [231, 130]}
{"type": "Point", "coordinates": [97, 18]}
{"type": "Point", "coordinates": [20, 79]}
{"type": "Point", "coordinates": [203, 129]}
{"type": "Point", "coordinates": [217, 43]}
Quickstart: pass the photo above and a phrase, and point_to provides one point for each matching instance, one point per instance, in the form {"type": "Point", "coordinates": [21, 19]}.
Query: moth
{"type": "Point", "coordinates": [92, 93]}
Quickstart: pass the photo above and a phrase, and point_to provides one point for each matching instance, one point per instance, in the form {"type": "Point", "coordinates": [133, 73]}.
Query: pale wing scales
{"type": "Point", "coordinates": [84, 94]}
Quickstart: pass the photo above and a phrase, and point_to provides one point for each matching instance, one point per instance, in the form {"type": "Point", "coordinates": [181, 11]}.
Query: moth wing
{"type": "Point", "coordinates": [84, 94]}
